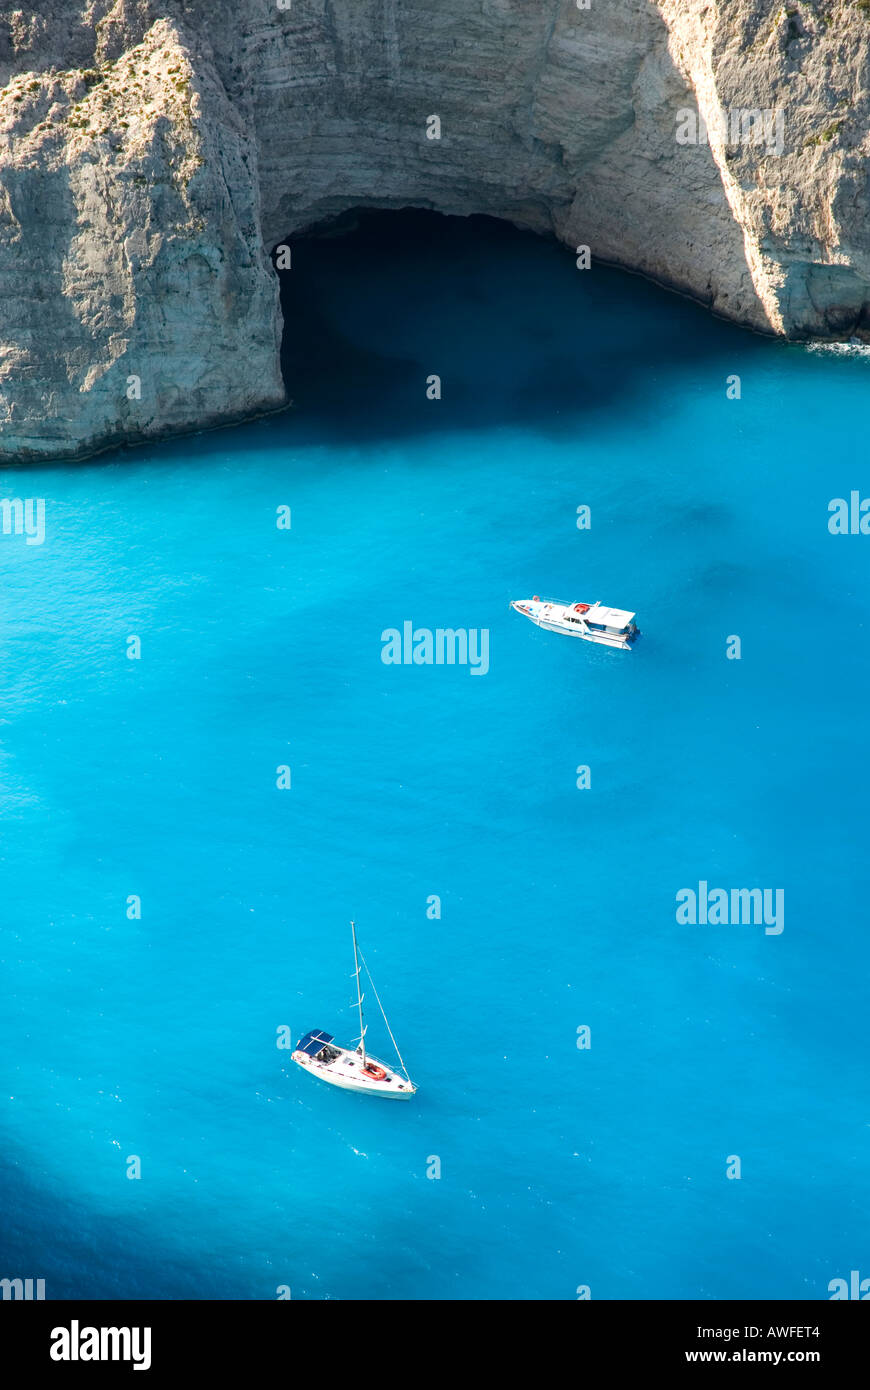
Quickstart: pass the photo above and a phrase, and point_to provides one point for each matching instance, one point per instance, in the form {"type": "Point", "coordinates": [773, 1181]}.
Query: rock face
{"type": "Point", "coordinates": [153, 152]}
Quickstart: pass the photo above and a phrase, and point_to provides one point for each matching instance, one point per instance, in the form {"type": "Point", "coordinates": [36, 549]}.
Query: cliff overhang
{"type": "Point", "coordinates": [153, 154]}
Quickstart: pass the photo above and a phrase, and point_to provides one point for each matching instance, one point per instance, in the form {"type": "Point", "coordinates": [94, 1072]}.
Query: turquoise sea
{"type": "Point", "coordinates": [561, 1167]}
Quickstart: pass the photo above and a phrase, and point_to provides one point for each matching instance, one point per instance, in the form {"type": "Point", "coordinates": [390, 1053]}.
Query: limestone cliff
{"type": "Point", "coordinates": [152, 152]}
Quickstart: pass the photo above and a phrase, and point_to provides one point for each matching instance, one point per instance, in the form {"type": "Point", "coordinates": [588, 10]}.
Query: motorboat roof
{"type": "Point", "coordinates": [610, 617]}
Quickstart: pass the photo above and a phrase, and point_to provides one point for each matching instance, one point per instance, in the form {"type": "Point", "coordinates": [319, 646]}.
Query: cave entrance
{"type": "Point", "coordinates": [407, 320]}
{"type": "Point", "coordinates": [377, 302]}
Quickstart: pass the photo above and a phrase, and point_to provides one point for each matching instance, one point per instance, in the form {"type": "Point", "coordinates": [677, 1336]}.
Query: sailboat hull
{"type": "Point", "coordinates": [347, 1072]}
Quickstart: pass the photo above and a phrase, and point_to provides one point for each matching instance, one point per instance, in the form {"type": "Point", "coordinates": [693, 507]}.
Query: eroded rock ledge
{"type": "Point", "coordinates": [152, 152]}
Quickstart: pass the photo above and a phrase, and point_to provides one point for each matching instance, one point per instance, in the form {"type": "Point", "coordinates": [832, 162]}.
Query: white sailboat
{"type": "Point", "coordinates": [353, 1069]}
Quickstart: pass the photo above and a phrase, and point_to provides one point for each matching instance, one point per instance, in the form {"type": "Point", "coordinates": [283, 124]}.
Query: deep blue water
{"type": "Point", "coordinates": [560, 1167]}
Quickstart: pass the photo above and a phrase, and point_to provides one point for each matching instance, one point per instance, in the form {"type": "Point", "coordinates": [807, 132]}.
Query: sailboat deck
{"type": "Point", "coordinates": [346, 1069]}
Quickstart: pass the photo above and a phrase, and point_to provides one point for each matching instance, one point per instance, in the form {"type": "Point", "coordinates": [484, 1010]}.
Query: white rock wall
{"type": "Point", "coordinates": [152, 153]}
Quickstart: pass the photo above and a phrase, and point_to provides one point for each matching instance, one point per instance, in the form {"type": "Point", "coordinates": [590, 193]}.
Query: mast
{"type": "Point", "coordinates": [359, 998]}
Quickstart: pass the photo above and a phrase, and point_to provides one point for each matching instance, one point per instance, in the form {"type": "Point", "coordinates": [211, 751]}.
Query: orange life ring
{"type": "Point", "coordinates": [373, 1072]}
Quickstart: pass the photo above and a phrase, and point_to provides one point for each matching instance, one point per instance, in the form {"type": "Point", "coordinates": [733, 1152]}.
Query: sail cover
{"type": "Point", "coordinates": [313, 1042]}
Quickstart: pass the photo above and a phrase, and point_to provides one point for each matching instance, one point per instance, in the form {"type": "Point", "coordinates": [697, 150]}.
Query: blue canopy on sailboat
{"type": "Point", "coordinates": [313, 1042]}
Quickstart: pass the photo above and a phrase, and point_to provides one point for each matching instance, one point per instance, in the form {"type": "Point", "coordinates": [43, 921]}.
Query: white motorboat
{"type": "Point", "coordinates": [353, 1069]}
{"type": "Point", "coordinates": [612, 627]}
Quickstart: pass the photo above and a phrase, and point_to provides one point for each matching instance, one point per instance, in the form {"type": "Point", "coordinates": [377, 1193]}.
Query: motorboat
{"type": "Point", "coordinates": [594, 622]}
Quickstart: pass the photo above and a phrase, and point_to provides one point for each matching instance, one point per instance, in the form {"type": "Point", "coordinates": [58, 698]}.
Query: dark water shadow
{"type": "Point", "coordinates": [82, 1253]}
{"type": "Point", "coordinates": [380, 301]}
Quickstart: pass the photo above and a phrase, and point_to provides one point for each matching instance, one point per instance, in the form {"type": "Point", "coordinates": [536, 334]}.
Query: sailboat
{"type": "Point", "coordinates": [354, 1069]}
